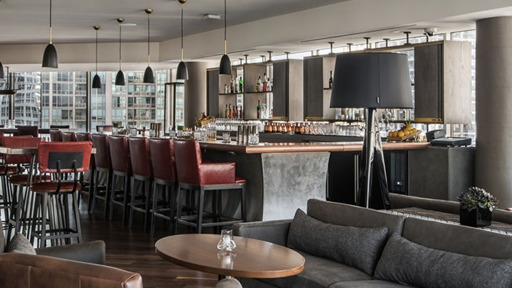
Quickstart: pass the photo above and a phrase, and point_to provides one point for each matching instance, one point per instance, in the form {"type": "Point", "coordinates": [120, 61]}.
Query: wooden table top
{"type": "Point", "coordinates": [251, 258]}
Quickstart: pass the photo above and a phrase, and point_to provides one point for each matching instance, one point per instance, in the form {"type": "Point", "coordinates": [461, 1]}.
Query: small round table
{"type": "Point", "coordinates": [250, 259]}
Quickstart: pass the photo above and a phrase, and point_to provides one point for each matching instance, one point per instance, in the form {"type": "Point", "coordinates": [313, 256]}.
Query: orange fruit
{"type": "Point", "coordinates": [401, 134]}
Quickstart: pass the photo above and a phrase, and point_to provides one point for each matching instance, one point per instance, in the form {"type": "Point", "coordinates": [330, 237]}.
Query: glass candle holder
{"type": "Point", "coordinates": [226, 242]}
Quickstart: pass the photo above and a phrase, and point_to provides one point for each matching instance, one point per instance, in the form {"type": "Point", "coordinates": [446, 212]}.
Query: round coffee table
{"type": "Point", "coordinates": [251, 258]}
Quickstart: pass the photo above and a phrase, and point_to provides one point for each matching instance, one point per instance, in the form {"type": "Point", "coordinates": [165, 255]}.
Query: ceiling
{"type": "Point", "coordinates": [27, 21]}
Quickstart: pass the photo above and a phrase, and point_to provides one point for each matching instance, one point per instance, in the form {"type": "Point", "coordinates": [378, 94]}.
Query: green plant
{"type": "Point", "coordinates": [475, 197]}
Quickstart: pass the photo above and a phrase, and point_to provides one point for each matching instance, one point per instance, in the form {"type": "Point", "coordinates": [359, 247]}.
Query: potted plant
{"type": "Point", "coordinates": [476, 207]}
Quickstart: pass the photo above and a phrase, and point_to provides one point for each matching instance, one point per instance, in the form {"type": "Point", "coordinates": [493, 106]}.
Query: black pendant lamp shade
{"type": "Point", "coordinates": [96, 81]}
{"type": "Point", "coordinates": [225, 63]}
{"type": "Point", "coordinates": [120, 74]}
{"type": "Point", "coordinates": [2, 74]}
{"type": "Point", "coordinates": [148, 74]}
{"type": "Point", "coordinates": [50, 59]}
{"type": "Point", "coordinates": [182, 72]}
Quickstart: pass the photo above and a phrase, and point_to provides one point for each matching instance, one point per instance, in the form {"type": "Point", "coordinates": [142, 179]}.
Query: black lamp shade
{"type": "Point", "coordinates": [2, 74]}
{"type": "Point", "coordinates": [50, 59]}
{"type": "Point", "coordinates": [96, 81]}
{"type": "Point", "coordinates": [225, 65]}
{"type": "Point", "coordinates": [371, 80]}
{"type": "Point", "coordinates": [148, 75]}
{"type": "Point", "coordinates": [182, 72]}
{"type": "Point", "coordinates": [120, 78]}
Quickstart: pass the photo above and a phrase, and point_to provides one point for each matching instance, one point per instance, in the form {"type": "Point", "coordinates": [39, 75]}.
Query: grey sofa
{"type": "Point", "coordinates": [351, 247]}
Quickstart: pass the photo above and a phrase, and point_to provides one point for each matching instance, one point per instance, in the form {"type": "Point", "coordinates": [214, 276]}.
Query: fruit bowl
{"type": "Point", "coordinates": [405, 137]}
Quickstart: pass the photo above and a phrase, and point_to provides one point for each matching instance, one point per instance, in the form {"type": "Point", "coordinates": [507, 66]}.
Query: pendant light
{"type": "Point", "coordinates": [182, 72]}
{"type": "Point", "coordinates": [148, 74]}
{"type": "Point", "coordinates": [225, 63]}
{"type": "Point", "coordinates": [120, 74]}
{"type": "Point", "coordinates": [50, 53]}
{"type": "Point", "coordinates": [96, 81]}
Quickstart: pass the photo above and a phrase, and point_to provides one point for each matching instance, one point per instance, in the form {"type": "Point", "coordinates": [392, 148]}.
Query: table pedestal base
{"type": "Point", "coordinates": [228, 282]}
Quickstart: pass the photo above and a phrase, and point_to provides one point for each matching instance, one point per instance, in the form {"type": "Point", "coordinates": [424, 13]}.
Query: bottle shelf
{"type": "Point", "coordinates": [266, 92]}
{"type": "Point", "coordinates": [226, 94]}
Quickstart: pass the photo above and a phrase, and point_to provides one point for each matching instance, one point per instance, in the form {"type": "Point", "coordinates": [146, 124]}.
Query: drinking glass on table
{"type": "Point", "coordinates": [226, 242]}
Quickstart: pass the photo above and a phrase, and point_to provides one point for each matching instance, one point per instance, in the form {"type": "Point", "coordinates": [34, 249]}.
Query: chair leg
{"type": "Point", "coordinates": [172, 204]}
{"type": "Point", "coordinates": [112, 197]}
{"type": "Point", "coordinates": [243, 206]}
{"type": "Point", "coordinates": [200, 211]}
{"type": "Point", "coordinates": [132, 202]}
{"type": "Point", "coordinates": [153, 210]}
{"type": "Point", "coordinates": [178, 211]}
{"type": "Point", "coordinates": [77, 218]}
{"type": "Point", "coordinates": [126, 204]}
{"type": "Point", "coordinates": [147, 201]}
{"type": "Point", "coordinates": [94, 192]}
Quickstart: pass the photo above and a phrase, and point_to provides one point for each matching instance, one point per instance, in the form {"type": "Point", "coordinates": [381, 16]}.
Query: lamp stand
{"type": "Point", "coordinates": [373, 154]}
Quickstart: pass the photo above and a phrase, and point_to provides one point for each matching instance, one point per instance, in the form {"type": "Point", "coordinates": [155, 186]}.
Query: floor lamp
{"type": "Point", "coordinates": [372, 81]}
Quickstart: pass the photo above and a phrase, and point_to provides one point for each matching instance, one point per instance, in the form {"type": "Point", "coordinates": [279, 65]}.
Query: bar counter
{"type": "Point", "coordinates": [281, 177]}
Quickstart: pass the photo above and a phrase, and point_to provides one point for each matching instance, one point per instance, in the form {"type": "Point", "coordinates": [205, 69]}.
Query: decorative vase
{"type": "Point", "coordinates": [478, 217]}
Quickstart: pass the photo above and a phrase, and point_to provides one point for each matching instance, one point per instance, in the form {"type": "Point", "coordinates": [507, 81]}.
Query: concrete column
{"type": "Point", "coordinates": [493, 170]}
{"type": "Point", "coordinates": [195, 92]}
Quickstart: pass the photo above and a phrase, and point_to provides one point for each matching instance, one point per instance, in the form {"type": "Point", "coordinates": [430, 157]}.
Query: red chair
{"type": "Point", "coordinates": [55, 135]}
{"type": "Point", "coordinates": [142, 174]}
{"type": "Point", "coordinates": [121, 167]}
{"type": "Point", "coordinates": [69, 137]}
{"type": "Point", "coordinates": [57, 159]}
{"type": "Point", "coordinates": [195, 175]}
{"type": "Point", "coordinates": [103, 167]}
{"type": "Point", "coordinates": [27, 130]}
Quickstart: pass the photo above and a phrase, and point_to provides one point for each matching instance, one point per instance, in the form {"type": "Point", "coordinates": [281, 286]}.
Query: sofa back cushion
{"type": "Point", "coordinates": [408, 263]}
{"type": "Point", "coordinates": [458, 239]}
{"type": "Point", "coordinates": [356, 247]}
{"type": "Point", "coordinates": [350, 215]}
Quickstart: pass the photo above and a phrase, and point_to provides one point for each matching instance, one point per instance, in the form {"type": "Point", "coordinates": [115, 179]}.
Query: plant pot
{"type": "Point", "coordinates": [478, 217]}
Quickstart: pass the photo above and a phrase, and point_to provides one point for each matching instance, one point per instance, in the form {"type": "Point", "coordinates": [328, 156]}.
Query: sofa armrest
{"type": "Point", "coordinates": [273, 231]}
{"type": "Point", "coordinates": [90, 252]}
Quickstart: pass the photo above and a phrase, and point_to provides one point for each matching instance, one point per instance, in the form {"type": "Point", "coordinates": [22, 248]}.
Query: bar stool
{"type": "Point", "coordinates": [87, 178]}
{"type": "Point", "coordinates": [142, 174]}
{"type": "Point", "coordinates": [121, 167]}
{"type": "Point", "coordinates": [55, 135]}
{"type": "Point", "coordinates": [69, 137]}
{"type": "Point", "coordinates": [59, 158]}
{"type": "Point", "coordinates": [103, 168]}
{"type": "Point", "coordinates": [195, 175]}
{"type": "Point", "coordinates": [164, 176]}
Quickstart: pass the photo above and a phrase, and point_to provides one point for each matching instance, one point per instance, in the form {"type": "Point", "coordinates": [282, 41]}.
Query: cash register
{"type": "Point", "coordinates": [437, 138]}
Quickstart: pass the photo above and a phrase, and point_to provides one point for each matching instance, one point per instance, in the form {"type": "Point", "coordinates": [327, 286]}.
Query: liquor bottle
{"type": "Point", "coordinates": [258, 110]}
{"type": "Point", "coordinates": [226, 91]}
{"type": "Point", "coordinates": [330, 79]}
{"type": "Point", "coordinates": [229, 111]}
{"type": "Point", "coordinates": [234, 113]}
{"type": "Point", "coordinates": [258, 84]}
{"type": "Point", "coordinates": [233, 82]}
{"type": "Point", "coordinates": [241, 85]}
{"type": "Point", "coordinates": [226, 113]}
{"type": "Point", "coordinates": [265, 83]}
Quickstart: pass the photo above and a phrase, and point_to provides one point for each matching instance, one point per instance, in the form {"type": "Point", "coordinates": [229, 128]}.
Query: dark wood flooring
{"type": "Point", "coordinates": [133, 250]}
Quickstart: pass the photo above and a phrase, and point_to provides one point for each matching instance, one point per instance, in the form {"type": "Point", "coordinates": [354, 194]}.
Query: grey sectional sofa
{"type": "Point", "coordinates": [350, 247]}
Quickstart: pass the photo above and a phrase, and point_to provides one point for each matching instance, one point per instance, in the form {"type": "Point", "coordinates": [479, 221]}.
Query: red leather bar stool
{"type": "Point", "coordinates": [69, 137]}
{"type": "Point", "coordinates": [87, 178]}
{"type": "Point", "coordinates": [164, 176]}
{"type": "Point", "coordinates": [64, 217]}
{"type": "Point", "coordinates": [121, 168]}
{"type": "Point", "coordinates": [196, 175]}
{"type": "Point", "coordinates": [142, 177]}
{"type": "Point", "coordinates": [103, 172]}
{"type": "Point", "coordinates": [55, 135]}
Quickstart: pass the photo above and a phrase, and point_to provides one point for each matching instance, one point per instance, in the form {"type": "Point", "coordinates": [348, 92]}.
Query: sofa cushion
{"type": "Point", "coordinates": [367, 284]}
{"type": "Point", "coordinates": [356, 247]}
{"type": "Point", "coordinates": [20, 244]}
{"type": "Point", "coordinates": [408, 263]}
{"type": "Point", "coordinates": [319, 272]}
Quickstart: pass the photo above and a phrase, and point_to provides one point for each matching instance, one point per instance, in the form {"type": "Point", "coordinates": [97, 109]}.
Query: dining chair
{"type": "Point", "coordinates": [53, 196]}
{"type": "Point", "coordinates": [121, 168]}
{"type": "Point", "coordinates": [103, 172]}
{"type": "Point", "coordinates": [142, 177]}
{"type": "Point", "coordinates": [27, 130]}
{"type": "Point", "coordinates": [164, 177]}
{"type": "Point", "coordinates": [196, 175]}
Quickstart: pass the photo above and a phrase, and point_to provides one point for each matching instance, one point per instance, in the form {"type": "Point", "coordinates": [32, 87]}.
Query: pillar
{"type": "Point", "coordinates": [493, 170]}
{"type": "Point", "coordinates": [195, 92]}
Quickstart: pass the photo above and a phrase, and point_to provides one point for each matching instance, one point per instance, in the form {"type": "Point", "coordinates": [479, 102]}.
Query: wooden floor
{"type": "Point", "coordinates": [133, 250]}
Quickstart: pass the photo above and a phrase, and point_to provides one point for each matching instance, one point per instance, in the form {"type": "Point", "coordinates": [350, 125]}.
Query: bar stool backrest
{"type": "Point", "coordinates": [55, 135]}
{"type": "Point", "coordinates": [27, 130]}
{"type": "Point", "coordinates": [69, 137]}
{"type": "Point", "coordinates": [102, 156]}
{"type": "Point", "coordinates": [83, 136]}
{"type": "Point", "coordinates": [120, 154]}
{"type": "Point", "coordinates": [188, 160]}
{"type": "Point", "coordinates": [20, 142]}
{"type": "Point", "coordinates": [162, 159]}
{"type": "Point", "coordinates": [59, 126]}
{"type": "Point", "coordinates": [140, 157]}
{"type": "Point", "coordinates": [69, 157]}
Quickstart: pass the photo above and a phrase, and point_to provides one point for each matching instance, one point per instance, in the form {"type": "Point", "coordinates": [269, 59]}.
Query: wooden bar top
{"type": "Point", "coordinates": [305, 147]}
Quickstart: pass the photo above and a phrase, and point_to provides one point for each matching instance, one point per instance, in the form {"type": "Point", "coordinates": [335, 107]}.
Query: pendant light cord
{"type": "Point", "coordinates": [225, 29]}
{"type": "Point", "coordinates": [51, 22]}
{"type": "Point", "coordinates": [119, 47]}
{"type": "Point", "coordinates": [96, 50]}
{"type": "Point", "coordinates": [149, 40]}
{"type": "Point", "coordinates": [181, 32]}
